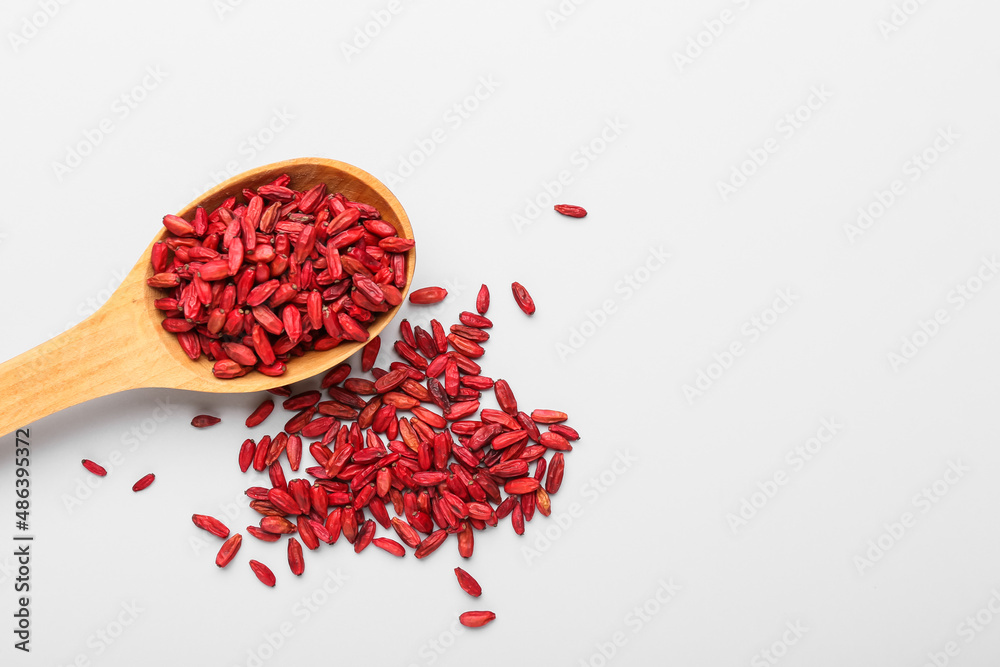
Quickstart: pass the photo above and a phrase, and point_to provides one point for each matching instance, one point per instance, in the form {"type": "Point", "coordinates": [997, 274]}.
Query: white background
{"type": "Point", "coordinates": [823, 553]}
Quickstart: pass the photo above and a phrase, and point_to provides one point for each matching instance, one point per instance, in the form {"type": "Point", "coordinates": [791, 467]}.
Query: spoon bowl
{"type": "Point", "coordinates": [123, 346]}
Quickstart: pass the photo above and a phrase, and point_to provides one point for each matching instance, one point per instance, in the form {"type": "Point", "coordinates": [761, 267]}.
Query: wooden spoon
{"type": "Point", "coordinates": [122, 346]}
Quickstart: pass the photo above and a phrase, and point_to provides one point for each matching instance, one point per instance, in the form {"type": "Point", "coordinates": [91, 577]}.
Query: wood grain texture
{"type": "Point", "coordinates": [122, 346]}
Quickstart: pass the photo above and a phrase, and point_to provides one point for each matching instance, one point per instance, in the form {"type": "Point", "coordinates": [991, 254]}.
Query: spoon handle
{"type": "Point", "coordinates": [100, 356]}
